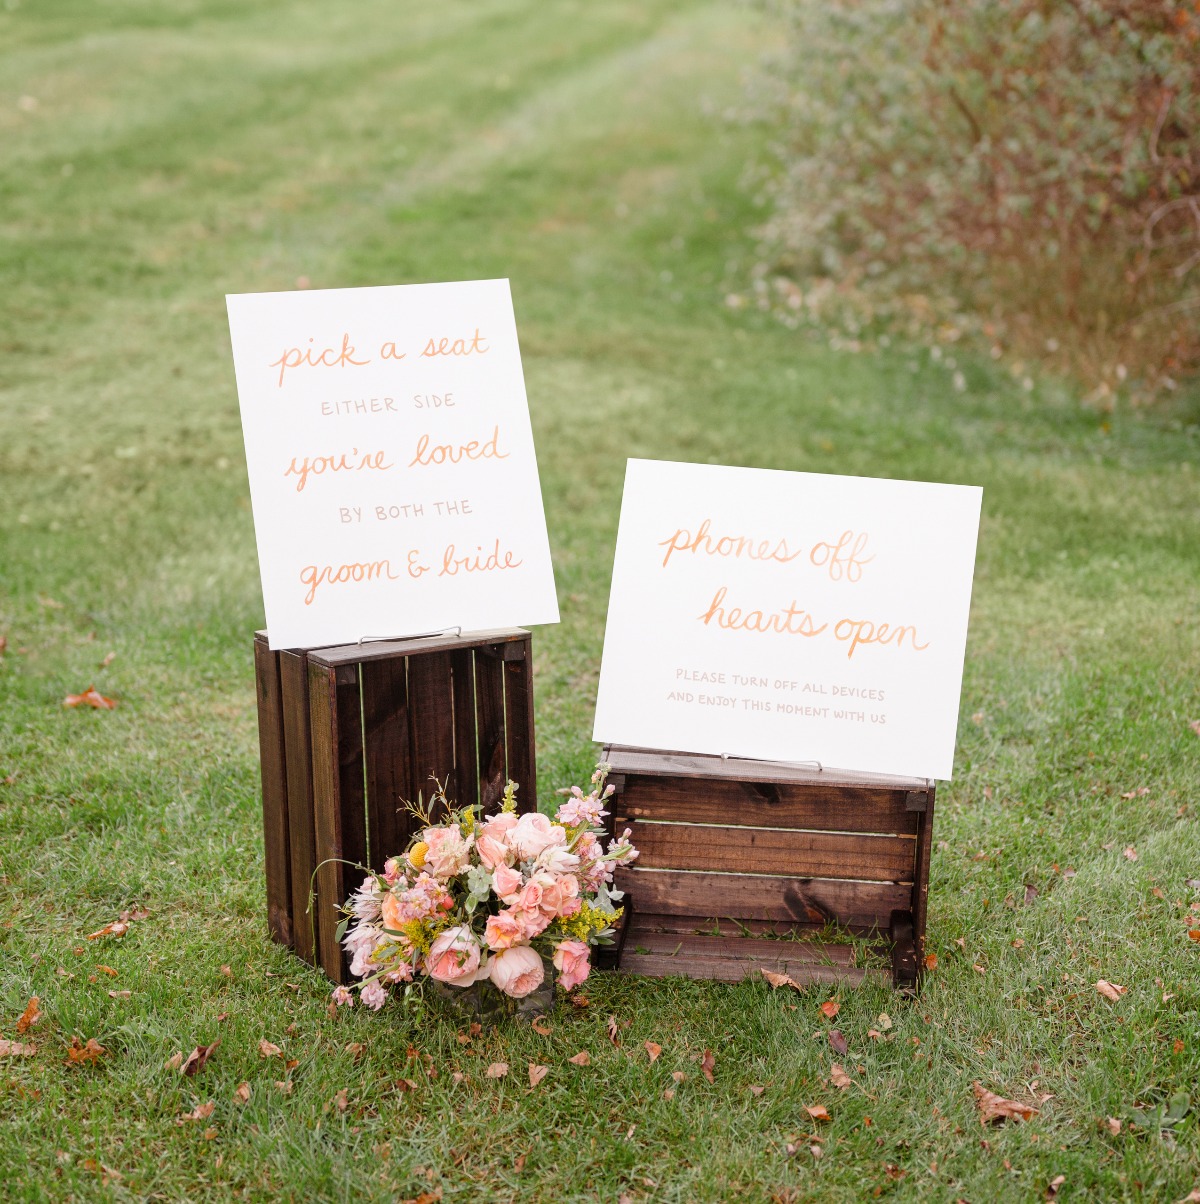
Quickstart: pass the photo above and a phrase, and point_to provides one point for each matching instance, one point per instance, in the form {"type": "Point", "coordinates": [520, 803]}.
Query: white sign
{"type": "Point", "coordinates": [392, 470]}
{"type": "Point", "coordinates": [789, 616]}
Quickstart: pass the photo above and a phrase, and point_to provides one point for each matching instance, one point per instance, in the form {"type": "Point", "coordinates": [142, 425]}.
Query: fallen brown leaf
{"type": "Point", "coordinates": [613, 1027]}
{"type": "Point", "coordinates": [1110, 990]}
{"type": "Point", "coordinates": [120, 994]}
{"type": "Point", "coordinates": [285, 1085]}
{"type": "Point", "coordinates": [578, 1000]}
{"type": "Point", "coordinates": [708, 1064]}
{"type": "Point", "coordinates": [341, 1100]}
{"type": "Point", "coordinates": [497, 1070]}
{"type": "Point", "coordinates": [355, 1049]}
{"type": "Point", "coordinates": [582, 1058]}
{"type": "Point", "coordinates": [90, 697]}
{"type": "Point", "coordinates": [1194, 934]}
{"type": "Point", "coordinates": [267, 1050]}
{"type": "Point", "coordinates": [108, 660]}
{"type": "Point", "coordinates": [653, 1050]}
{"type": "Point", "coordinates": [16, 1049]}
{"type": "Point", "coordinates": [931, 961]}
{"type": "Point", "coordinates": [106, 970]}
{"type": "Point", "coordinates": [781, 980]}
{"type": "Point", "coordinates": [537, 1073]}
{"type": "Point", "coordinates": [994, 1107]}
{"type": "Point", "coordinates": [678, 1076]}
{"type": "Point", "coordinates": [817, 1111]}
{"type": "Point", "coordinates": [116, 928]}
{"type": "Point", "coordinates": [174, 1061]}
{"type": "Point", "coordinates": [756, 1089]}
{"type": "Point", "coordinates": [1179, 1046]}
{"type": "Point", "coordinates": [1053, 1186]}
{"type": "Point", "coordinates": [838, 1077]}
{"type": "Point", "coordinates": [669, 1093]}
{"type": "Point", "coordinates": [30, 1016]}
{"type": "Point", "coordinates": [542, 1025]}
{"type": "Point", "coordinates": [199, 1112]}
{"type": "Point", "coordinates": [830, 1008]}
{"type": "Point", "coordinates": [242, 1093]}
{"type": "Point", "coordinates": [195, 1061]}
{"type": "Point", "coordinates": [838, 1042]}
{"type": "Point", "coordinates": [1114, 1126]}
{"type": "Point", "coordinates": [93, 1051]}
{"type": "Point", "coordinates": [1130, 854]}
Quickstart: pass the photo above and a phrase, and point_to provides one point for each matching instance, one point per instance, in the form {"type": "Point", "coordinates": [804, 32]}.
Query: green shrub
{"type": "Point", "coordinates": [1037, 161]}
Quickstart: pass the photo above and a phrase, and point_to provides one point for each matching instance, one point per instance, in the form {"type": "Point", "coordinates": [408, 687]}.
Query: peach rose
{"type": "Point", "coordinates": [572, 961]}
{"type": "Point", "coordinates": [390, 911]}
{"type": "Point", "coordinates": [492, 852]}
{"type": "Point", "coordinates": [507, 883]}
{"type": "Point", "coordinates": [499, 826]}
{"type": "Point", "coordinates": [532, 923]}
{"type": "Point", "coordinates": [517, 971]}
{"type": "Point", "coordinates": [448, 852]}
{"type": "Point", "coordinates": [503, 931]}
{"type": "Point", "coordinates": [454, 957]}
{"type": "Point", "coordinates": [534, 833]}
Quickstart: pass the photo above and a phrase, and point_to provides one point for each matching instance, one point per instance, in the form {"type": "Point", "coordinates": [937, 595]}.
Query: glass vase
{"type": "Point", "coordinates": [483, 1003]}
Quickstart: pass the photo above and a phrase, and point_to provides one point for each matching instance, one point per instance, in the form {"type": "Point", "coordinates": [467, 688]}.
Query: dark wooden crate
{"type": "Point", "coordinates": [349, 734]}
{"type": "Point", "coordinates": [748, 866]}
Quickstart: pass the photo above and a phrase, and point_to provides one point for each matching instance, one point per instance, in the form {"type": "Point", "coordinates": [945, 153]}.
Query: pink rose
{"type": "Point", "coordinates": [448, 853]}
{"type": "Point", "coordinates": [503, 931]}
{"type": "Point", "coordinates": [454, 958]}
{"type": "Point", "coordinates": [530, 898]}
{"type": "Point", "coordinates": [532, 923]}
{"type": "Point", "coordinates": [534, 833]}
{"type": "Point", "coordinates": [517, 971]}
{"type": "Point", "coordinates": [557, 894]}
{"type": "Point", "coordinates": [499, 826]}
{"type": "Point", "coordinates": [571, 960]}
{"type": "Point", "coordinates": [507, 883]}
{"type": "Point", "coordinates": [492, 852]}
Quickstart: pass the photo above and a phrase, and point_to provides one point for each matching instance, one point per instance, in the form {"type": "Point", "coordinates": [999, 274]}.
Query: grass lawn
{"type": "Point", "coordinates": [159, 155]}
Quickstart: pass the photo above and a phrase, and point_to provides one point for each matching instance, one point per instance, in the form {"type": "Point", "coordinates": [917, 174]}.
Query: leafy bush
{"type": "Point", "coordinates": [1038, 160]}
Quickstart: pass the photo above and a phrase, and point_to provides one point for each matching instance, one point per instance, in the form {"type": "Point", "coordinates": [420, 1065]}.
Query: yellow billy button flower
{"type": "Point", "coordinates": [416, 855]}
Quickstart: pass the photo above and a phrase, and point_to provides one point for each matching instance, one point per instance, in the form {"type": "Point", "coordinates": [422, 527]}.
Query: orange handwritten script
{"type": "Point", "coordinates": [310, 357]}
{"type": "Point", "coordinates": [495, 561]}
{"type": "Point", "coordinates": [788, 621]}
{"type": "Point", "coordinates": [318, 465]}
{"type": "Point", "coordinates": [314, 576]}
{"type": "Point", "coordinates": [863, 631]}
{"type": "Point", "coordinates": [844, 558]}
{"type": "Point", "coordinates": [448, 346]}
{"type": "Point", "coordinates": [725, 545]}
{"type": "Point", "coordinates": [443, 453]}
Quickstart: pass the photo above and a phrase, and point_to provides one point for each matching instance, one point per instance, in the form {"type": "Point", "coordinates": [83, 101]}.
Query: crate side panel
{"type": "Point", "coordinates": [489, 717]}
{"type": "Point", "coordinates": [764, 897]}
{"type": "Point", "coordinates": [466, 753]}
{"type": "Point", "coordinates": [782, 851]}
{"type": "Point", "coordinates": [431, 723]}
{"type": "Point", "coordinates": [387, 755]}
{"type": "Point", "coordinates": [273, 760]}
{"type": "Point", "coordinates": [328, 818]}
{"type": "Point", "coordinates": [301, 832]}
{"type": "Point", "coordinates": [518, 722]}
{"type": "Point", "coordinates": [768, 804]}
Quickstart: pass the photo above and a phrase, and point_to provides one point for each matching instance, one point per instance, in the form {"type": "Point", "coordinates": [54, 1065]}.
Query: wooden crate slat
{"type": "Point", "coordinates": [920, 902]}
{"type": "Point", "coordinates": [760, 897]}
{"type": "Point", "coordinates": [384, 650]}
{"type": "Point", "coordinates": [518, 722]}
{"type": "Point", "coordinates": [730, 966]}
{"type": "Point", "coordinates": [774, 851]}
{"type": "Point", "coordinates": [431, 723]}
{"type": "Point", "coordinates": [489, 718]}
{"type": "Point", "coordinates": [273, 760]}
{"type": "Point", "coordinates": [769, 804]}
{"type": "Point", "coordinates": [328, 818]}
{"type": "Point", "coordinates": [293, 672]}
{"type": "Point", "coordinates": [466, 754]}
{"type": "Point", "coordinates": [388, 757]}
{"type": "Point", "coordinates": [747, 948]}
{"type": "Point", "coordinates": [350, 752]}
{"type": "Point", "coordinates": [716, 926]}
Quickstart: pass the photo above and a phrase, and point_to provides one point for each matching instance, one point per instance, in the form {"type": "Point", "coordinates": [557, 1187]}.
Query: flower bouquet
{"type": "Point", "coordinates": [487, 908]}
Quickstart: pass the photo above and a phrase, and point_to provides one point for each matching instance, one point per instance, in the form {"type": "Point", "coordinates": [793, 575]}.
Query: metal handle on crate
{"type": "Point", "coordinates": [763, 761]}
{"type": "Point", "coordinates": [400, 639]}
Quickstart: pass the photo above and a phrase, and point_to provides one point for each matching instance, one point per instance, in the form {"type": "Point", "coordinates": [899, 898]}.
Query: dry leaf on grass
{"type": "Point", "coordinates": [708, 1064]}
{"type": "Point", "coordinates": [242, 1093]}
{"type": "Point", "coordinates": [931, 960]}
{"type": "Point", "coordinates": [106, 970]}
{"type": "Point", "coordinates": [582, 1058]}
{"type": "Point", "coordinates": [30, 1016]}
{"type": "Point", "coordinates": [91, 697]}
{"type": "Point", "coordinates": [542, 1025]}
{"type": "Point", "coordinates": [93, 1051]}
{"type": "Point", "coordinates": [678, 1076]}
{"type": "Point", "coordinates": [1194, 934]}
{"type": "Point", "coordinates": [199, 1112]}
{"type": "Point", "coordinates": [16, 1049]}
{"type": "Point", "coordinates": [120, 994]}
{"type": "Point", "coordinates": [537, 1073]}
{"type": "Point", "coordinates": [781, 980]}
{"type": "Point", "coordinates": [1114, 1126]}
{"type": "Point", "coordinates": [756, 1089]}
{"type": "Point", "coordinates": [838, 1042]}
{"type": "Point", "coordinates": [196, 1060]}
{"type": "Point", "coordinates": [1053, 1186]}
{"type": "Point", "coordinates": [1130, 854]}
{"type": "Point", "coordinates": [838, 1077]}
{"type": "Point", "coordinates": [669, 1093]}
{"type": "Point", "coordinates": [653, 1050]}
{"type": "Point", "coordinates": [830, 1008]}
{"type": "Point", "coordinates": [284, 1085]}
{"type": "Point", "coordinates": [994, 1108]}
{"type": "Point", "coordinates": [267, 1050]}
{"type": "Point", "coordinates": [613, 1027]}
{"type": "Point", "coordinates": [497, 1070]}
{"type": "Point", "coordinates": [341, 1100]}
{"type": "Point", "coordinates": [817, 1111]}
{"type": "Point", "coordinates": [1110, 990]}
{"type": "Point", "coordinates": [116, 928]}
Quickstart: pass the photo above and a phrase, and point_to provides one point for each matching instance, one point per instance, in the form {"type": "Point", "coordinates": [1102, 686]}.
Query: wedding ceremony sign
{"type": "Point", "coordinates": [789, 616]}
{"type": "Point", "coordinates": [392, 473]}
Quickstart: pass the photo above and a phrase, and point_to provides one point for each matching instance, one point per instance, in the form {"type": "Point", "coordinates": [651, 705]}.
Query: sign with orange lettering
{"type": "Point", "coordinates": [789, 616]}
{"type": "Point", "coordinates": [392, 471]}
